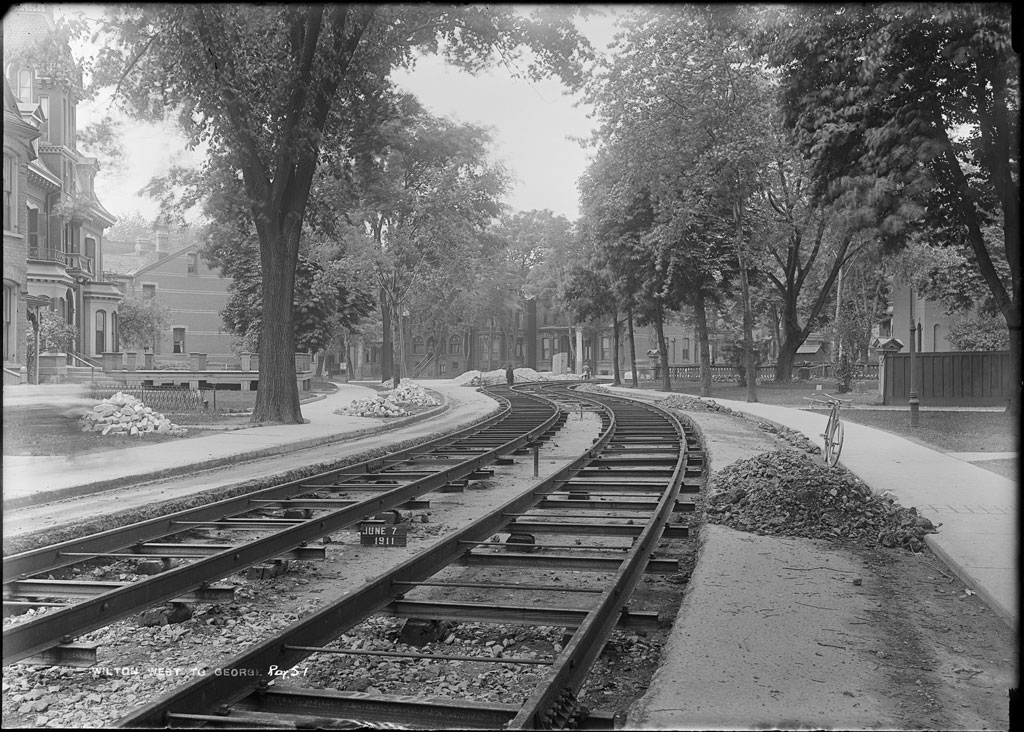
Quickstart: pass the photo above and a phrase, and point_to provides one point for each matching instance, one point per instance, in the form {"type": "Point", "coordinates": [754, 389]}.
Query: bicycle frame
{"type": "Point", "coordinates": [834, 430]}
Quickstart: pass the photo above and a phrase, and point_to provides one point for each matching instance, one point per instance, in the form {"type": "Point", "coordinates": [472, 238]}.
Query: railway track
{"type": "Point", "coordinates": [600, 517]}
{"type": "Point", "coordinates": [188, 551]}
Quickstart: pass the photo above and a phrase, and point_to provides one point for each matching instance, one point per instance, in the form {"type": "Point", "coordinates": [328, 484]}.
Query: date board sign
{"type": "Point", "coordinates": [382, 533]}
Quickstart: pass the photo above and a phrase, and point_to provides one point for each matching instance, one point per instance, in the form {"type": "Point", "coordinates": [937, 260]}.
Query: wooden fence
{"type": "Point", "coordinates": [970, 378]}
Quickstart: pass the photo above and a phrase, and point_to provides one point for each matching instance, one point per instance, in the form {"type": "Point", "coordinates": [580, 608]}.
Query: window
{"type": "Point", "coordinates": [149, 291]}
{"type": "Point", "coordinates": [519, 347]}
{"type": "Point", "coordinates": [545, 348]}
{"type": "Point", "coordinates": [44, 103]}
{"type": "Point", "coordinates": [33, 229]}
{"type": "Point", "coordinates": [374, 354]}
{"type": "Point", "coordinates": [10, 186]}
{"type": "Point", "coordinates": [193, 263]}
{"type": "Point", "coordinates": [90, 248]}
{"type": "Point", "coordinates": [101, 331]}
{"type": "Point", "coordinates": [25, 85]}
{"type": "Point", "coordinates": [455, 345]}
{"type": "Point", "coordinates": [686, 349]}
{"type": "Point", "coordinates": [179, 340]}
{"type": "Point", "coordinates": [441, 367]}
{"type": "Point", "coordinates": [417, 345]}
{"type": "Point", "coordinates": [430, 345]}
{"type": "Point", "coordinates": [114, 335]}
{"type": "Point", "coordinates": [606, 348]}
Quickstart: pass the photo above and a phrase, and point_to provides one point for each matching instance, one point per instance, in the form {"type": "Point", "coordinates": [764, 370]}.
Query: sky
{"type": "Point", "coordinates": [531, 124]}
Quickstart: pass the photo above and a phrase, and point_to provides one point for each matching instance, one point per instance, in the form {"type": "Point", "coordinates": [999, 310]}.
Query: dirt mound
{"type": "Point", "coordinates": [787, 493]}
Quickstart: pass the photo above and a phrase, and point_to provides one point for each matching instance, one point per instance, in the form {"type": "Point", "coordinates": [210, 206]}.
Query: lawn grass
{"type": "Point", "coordinates": [947, 430]}
{"type": "Point", "coordinates": [54, 431]}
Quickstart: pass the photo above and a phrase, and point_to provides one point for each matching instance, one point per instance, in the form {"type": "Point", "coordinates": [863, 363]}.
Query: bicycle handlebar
{"type": "Point", "coordinates": [829, 399]}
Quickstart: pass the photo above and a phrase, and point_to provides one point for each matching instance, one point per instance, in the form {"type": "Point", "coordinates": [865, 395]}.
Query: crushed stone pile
{"type": "Point", "coordinates": [794, 437]}
{"type": "Point", "coordinates": [787, 493]}
{"type": "Point", "coordinates": [391, 403]}
{"type": "Point", "coordinates": [695, 404]}
{"type": "Point", "coordinates": [409, 392]}
{"type": "Point", "coordinates": [123, 414]}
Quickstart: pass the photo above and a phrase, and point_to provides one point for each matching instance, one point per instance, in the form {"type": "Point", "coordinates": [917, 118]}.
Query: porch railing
{"type": "Point", "coordinates": [78, 359]}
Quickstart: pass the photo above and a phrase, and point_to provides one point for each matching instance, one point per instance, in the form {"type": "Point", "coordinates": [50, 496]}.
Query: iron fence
{"type": "Point", "coordinates": [175, 399]}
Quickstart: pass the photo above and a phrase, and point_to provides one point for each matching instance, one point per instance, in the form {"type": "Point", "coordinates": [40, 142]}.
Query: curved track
{"type": "Point", "coordinates": [602, 514]}
{"type": "Point", "coordinates": [278, 523]}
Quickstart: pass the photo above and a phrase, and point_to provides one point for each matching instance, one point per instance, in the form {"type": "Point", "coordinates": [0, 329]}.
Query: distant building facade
{"type": "Point", "coordinates": [172, 271]}
{"type": "Point", "coordinates": [53, 220]}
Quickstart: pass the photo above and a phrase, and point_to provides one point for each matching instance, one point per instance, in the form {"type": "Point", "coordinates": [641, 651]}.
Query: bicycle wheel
{"type": "Point", "coordinates": [836, 443]}
{"type": "Point", "coordinates": [826, 438]}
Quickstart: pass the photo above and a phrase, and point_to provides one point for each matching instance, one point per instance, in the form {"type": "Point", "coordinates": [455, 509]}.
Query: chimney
{"type": "Point", "coordinates": [163, 240]}
{"type": "Point", "coordinates": [143, 246]}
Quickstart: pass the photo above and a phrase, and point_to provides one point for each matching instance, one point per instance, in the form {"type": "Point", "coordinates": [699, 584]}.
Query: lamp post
{"type": "Point", "coordinates": [913, 401]}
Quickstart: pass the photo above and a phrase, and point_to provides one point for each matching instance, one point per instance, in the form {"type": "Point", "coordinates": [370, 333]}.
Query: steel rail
{"type": "Point", "coordinates": [25, 639]}
{"type": "Point", "coordinates": [236, 680]}
{"type": "Point", "coordinates": [553, 703]}
{"type": "Point", "coordinates": [246, 676]}
{"type": "Point", "coordinates": [53, 556]}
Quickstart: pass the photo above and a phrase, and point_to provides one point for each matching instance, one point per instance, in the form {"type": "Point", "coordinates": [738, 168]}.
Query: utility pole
{"type": "Point", "coordinates": [839, 302]}
{"type": "Point", "coordinates": [914, 401]}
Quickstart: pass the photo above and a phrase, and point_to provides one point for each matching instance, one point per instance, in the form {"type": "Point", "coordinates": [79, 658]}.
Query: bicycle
{"type": "Point", "coordinates": [834, 431]}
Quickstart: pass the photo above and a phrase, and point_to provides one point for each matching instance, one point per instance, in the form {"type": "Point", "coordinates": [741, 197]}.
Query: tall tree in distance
{"type": "Point", "coordinates": [914, 109]}
{"type": "Point", "coordinates": [259, 85]}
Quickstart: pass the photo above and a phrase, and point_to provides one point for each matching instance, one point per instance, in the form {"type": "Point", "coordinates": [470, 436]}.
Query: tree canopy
{"type": "Point", "coordinates": [263, 85]}
{"type": "Point", "coordinates": [913, 110]}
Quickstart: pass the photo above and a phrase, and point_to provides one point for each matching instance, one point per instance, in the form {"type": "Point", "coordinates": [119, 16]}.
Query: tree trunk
{"type": "Point", "coordinates": [632, 346]}
{"type": "Point", "coordinates": [659, 327]}
{"type": "Point", "coordinates": [787, 359]}
{"type": "Point", "coordinates": [750, 365]}
{"type": "Point", "coordinates": [703, 338]}
{"type": "Point", "coordinates": [616, 334]}
{"type": "Point", "coordinates": [386, 346]}
{"type": "Point", "coordinates": [397, 354]}
{"type": "Point", "coordinates": [277, 396]}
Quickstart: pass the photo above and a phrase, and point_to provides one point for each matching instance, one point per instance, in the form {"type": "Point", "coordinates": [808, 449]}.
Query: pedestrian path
{"type": "Point", "coordinates": [32, 480]}
{"type": "Point", "coordinates": [977, 509]}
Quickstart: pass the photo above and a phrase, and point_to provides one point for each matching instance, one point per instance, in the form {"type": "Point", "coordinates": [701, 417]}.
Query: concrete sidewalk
{"type": "Point", "coordinates": [977, 508]}
{"type": "Point", "coordinates": [31, 480]}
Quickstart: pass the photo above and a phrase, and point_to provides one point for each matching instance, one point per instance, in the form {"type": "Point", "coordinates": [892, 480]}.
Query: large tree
{"type": "Point", "coordinates": [913, 103]}
{"type": "Point", "coordinates": [681, 120]}
{"type": "Point", "coordinates": [259, 85]}
{"type": "Point", "coordinates": [426, 193]}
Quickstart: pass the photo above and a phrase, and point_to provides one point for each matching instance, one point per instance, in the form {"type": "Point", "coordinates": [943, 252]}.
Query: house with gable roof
{"type": "Point", "coordinates": [53, 220]}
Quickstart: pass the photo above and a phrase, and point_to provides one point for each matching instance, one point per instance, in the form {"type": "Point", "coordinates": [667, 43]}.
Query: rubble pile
{"type": "Point", "coordinates": [376, 406]}
{"type": "Point", "coordinates": [123, 414]}
{"type": "Point", "coordinates": [794, 437]}
{"type": "Point", "coordinates": [787, 493]}
{"type": "Point", "coordinates": [409, 392]}
{"type": "Point", "coordinates": [391, 403]}
{"type": "Point", "coordinates": [694, 404]}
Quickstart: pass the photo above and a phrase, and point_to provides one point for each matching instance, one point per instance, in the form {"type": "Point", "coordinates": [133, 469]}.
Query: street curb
{"type": "Point", "coordinates": [103, 485]}
{"type": "Point", "coordinates": [1007, 614]}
